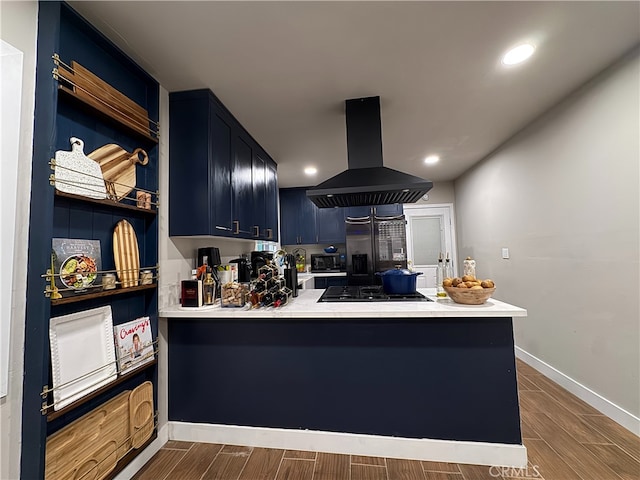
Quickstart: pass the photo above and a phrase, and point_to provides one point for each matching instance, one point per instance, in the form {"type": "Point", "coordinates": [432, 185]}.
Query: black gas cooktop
{"type": "Point", "coordinates": [373, 293]}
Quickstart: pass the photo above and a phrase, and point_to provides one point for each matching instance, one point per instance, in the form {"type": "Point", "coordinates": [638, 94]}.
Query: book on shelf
{"type": "Point", "coordinates": [134, 344]}
{"type": "Point", "coordinates": [76, 264]}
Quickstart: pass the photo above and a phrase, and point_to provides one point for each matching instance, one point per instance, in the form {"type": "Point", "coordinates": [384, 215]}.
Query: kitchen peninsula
{"type": "Point", "coordinates": [431, 380]}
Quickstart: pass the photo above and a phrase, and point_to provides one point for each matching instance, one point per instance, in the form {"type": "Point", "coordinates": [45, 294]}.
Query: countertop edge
{"type": "Point", "coordinates": [305, 306]}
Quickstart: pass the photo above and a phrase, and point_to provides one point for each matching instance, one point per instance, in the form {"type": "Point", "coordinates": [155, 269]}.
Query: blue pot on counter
{"type": "Point", "coordinates": [398, 281]}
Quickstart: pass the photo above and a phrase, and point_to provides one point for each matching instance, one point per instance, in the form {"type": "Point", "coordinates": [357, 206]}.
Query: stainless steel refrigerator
{"type": "Point", "coordinates": [374, 244]}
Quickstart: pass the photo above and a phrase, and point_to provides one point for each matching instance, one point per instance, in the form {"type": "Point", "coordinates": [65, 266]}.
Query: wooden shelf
{"type": "Point", "coordinates": [105, 113]}
{"type": "Point", "coordinates": [121, 378]}
{"type": "Point", "coordinates": [81, 297]}
{"type": "Point", "coordinates": [109, 203]}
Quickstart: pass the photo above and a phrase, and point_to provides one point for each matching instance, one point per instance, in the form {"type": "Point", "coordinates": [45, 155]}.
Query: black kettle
{"type": "Point", "coordinates": [244, 269]}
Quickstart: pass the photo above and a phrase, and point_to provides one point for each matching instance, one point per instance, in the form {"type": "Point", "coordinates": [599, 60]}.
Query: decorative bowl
{"type": "Point", "coordinates": [468, 296]}
{"type": "Point", "coordinates": [330, 249]}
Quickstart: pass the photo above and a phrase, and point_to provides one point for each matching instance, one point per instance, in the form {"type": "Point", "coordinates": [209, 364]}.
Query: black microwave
{"type": "Point", "coordinates": [327, 262]}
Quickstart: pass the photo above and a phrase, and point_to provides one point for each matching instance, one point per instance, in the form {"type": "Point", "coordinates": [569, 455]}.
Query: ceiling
{"type": "Point", "coordinates": [284, 69]}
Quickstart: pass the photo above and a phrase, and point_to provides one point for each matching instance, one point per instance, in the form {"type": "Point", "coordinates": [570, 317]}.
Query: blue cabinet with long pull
{"type": "Point", "coordinates": [221, 181]}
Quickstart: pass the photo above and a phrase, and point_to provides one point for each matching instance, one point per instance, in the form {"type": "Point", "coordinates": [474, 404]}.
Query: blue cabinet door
{"type": "Point", "coordinates": [336, 281]}
{"type": "Point", "coordinates": [330, 225]}
{"type": "Point", "coordinates": [199, 166]}
{"type": "Point", "coordinates": [271, 188]}
{"type": "Point", "coordinates": [220, 174]}
{"type": "Point", "coordinates": [297, 217]}
{"type": "Point", "coordinates": [358, 211]}
{"type": "Point", "coordinates": [379, 210]}
{"type": "Point", "coordinates": [189, 178]}
{"type": "Point", "coordinates": [242, 188]}
{"type": "Point", "coordinates": [259, 196]}
{"type": "Point", "coordinates": [324, 282]}
{"type": "Point", "coordinates": [388, 210]}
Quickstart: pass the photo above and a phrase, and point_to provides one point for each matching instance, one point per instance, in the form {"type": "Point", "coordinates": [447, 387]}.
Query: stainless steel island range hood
{"type": "Point", "coordinates": [366, 181]}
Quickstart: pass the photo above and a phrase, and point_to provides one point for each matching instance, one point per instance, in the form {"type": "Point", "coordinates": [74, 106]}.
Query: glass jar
{"type": "Point", "coordinates": [469, 266]}
{"type": "Point", "coordinates": [233, 294]}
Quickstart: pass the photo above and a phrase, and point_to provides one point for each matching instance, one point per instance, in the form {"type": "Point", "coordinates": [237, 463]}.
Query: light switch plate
{"type": "Point", "coordinates": [505, 252]}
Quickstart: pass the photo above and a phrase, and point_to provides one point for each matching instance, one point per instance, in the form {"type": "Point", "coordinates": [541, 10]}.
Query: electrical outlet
{"type": "Point", "coordinates": [505, 253]}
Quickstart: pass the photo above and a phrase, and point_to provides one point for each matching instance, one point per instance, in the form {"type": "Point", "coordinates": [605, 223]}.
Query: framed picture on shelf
{"type": "Point", "coordinates": [134, 344]}
{"type": "Point", "coordinates": [76, 264]}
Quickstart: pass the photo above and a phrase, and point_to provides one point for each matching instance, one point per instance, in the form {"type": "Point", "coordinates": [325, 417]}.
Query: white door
{"type": "Point", "coordinates": [430, 231]}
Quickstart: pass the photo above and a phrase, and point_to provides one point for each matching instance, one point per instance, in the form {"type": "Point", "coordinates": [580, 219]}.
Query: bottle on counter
{"type": "Point", "coordinates": [208, 289]}
{"type": "Point", "coordinates": [439, 278]}
{"type": "Point", "coordinates": [448, 267]}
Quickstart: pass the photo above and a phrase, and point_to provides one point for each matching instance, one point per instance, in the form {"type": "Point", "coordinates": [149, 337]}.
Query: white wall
{"type": "Point", "coordinates": [18, 27]}
{"type": "Point", "coordinates": [563, 195]}
{"type": "Point", "coordinates": [442, 192]}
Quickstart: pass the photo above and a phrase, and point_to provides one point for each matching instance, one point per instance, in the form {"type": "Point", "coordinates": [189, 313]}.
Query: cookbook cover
{"type": "Point", "coordinates": [76, 263]}
{"type": "Point", "coordinates": [134, 343]}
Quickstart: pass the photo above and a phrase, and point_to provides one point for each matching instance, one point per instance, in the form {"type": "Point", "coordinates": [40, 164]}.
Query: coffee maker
{"type": "Point", "coordinates": [244, 269]}
{"type": "Point", "coordinates": [209, 256]}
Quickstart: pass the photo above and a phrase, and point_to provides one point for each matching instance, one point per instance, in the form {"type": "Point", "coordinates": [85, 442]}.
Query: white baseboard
{"type": "Point", "coordinates": [479, 453]}
{"type": "Point", "coordinates": [137, 463]}
{"type": "Point", "coordinates": [597, 401]}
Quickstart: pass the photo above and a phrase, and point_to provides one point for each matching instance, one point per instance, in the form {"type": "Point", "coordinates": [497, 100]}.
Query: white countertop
{"type": "Point", "coordinates": [321, 274]}
{"type": "Point", "coordinates": [306, 305]}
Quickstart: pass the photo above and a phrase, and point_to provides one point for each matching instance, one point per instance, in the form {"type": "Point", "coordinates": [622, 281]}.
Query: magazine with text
{"type": "Point", "coordinates": [134, 343]}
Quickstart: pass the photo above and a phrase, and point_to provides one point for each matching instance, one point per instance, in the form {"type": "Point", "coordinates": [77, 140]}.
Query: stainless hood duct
{"type": "Point", "coordinates": [366, 181]}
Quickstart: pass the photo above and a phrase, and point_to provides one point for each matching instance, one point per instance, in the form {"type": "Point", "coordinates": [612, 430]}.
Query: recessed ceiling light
{"type": "Point", "coordinates": [311, 170]}
{"type": "Point", "coordinates": [518, 54]}
{"type": "Point", "coordinates": [431, 159]}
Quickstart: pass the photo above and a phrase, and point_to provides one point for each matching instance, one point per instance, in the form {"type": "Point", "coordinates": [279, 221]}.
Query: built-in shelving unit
{"type": "Point", "coordinates": [101, 294]}
{"type": "Point", "coordinates": [119, 106]}
{"type": "Point", "coordinates": [52, 415]}
{"type": "Point", "coordinates": [110, 203]}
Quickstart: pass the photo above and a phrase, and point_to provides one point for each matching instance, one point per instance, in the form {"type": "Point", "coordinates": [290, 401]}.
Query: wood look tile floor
{"type": "Point", "coordinates": [566, 439]}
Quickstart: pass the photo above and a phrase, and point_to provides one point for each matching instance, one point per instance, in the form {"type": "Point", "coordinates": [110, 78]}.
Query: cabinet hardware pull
{"type": "Point", "coordinates": [227, 229]}
{"type": "Point", "coordinates": [236, 224]}
{"type": "Point", "coordinates": [256, 232]}
{"type": "Point", "coordinates": [269, 233]}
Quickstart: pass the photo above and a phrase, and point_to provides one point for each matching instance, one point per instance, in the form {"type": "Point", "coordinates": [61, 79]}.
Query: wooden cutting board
{"type": "Point", "coordinates": [91, 446]}
{"type": "Point", "coordinates": [118, 168]}
{"type": "Point", "coordinates": [126, 254]}
{"type": "Point", "coordinates": [102, 96]}
{"type": "Point", "coordinates": [75, 173]}
{"type": "Point", "coordinates": [141, 421]}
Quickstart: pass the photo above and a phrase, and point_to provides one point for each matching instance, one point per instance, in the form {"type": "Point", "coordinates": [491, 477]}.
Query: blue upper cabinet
{"type": "Point", "coordinates": [330, 225]}
{"type": "Point", "coordinates": [297, 217]}
{"type": "Point", "coordinates": [242, 187]}
{"type": "Point", "coordinates": [271, 202]}
{"type": "Point", "coordinates": [221, 182]}
{"type": "Point", "coordinates": [379, 210]}
{"type": "Point", "coordinates": [304, 223]}
{"type": "Point", "coordinates": [265, 197]}
{"type": "Point", "coordinates": [197, 144]}
{"type": "Point", "coordinates": [259, 196]}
